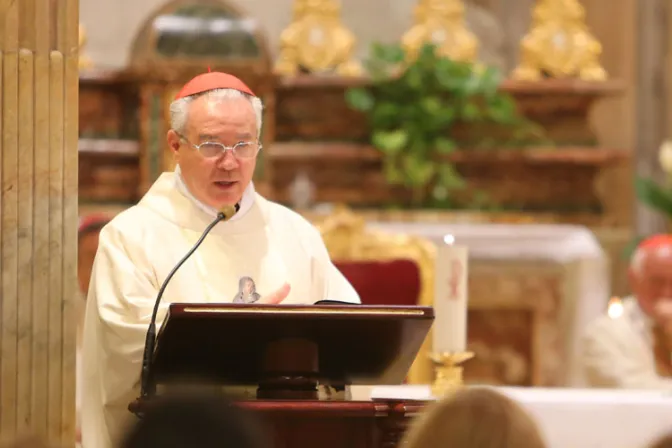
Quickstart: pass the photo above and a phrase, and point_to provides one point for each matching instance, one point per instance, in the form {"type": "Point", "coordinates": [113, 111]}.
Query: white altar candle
{"type": "Point", "coordinates": [450, 300]}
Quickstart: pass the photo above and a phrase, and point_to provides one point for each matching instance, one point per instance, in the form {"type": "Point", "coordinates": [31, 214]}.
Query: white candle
{"type": "Point", "coordinates": [450, 300]}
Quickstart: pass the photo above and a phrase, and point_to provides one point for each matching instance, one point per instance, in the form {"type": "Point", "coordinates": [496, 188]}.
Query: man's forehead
{"type": "Point", "coordinates": [658, 258]}
{"type": "Point", "coordinates": [214, 118]}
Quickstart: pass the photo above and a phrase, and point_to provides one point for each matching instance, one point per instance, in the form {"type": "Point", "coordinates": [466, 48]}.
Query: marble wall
{"type": "Point", "coordinates": [38, 218]}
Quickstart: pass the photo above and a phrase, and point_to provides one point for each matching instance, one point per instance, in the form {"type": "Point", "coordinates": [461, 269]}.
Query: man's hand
{"type": "Point", "coordinates": [276, 296]}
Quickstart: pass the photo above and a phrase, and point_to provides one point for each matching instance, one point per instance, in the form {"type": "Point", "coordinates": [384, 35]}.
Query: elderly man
{"type": "Point", "coordinates": [633, 348]}
{"type": "Point", "coordinates": [216, 125]}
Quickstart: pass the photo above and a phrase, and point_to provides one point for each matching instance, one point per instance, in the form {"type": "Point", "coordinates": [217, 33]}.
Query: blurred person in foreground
{"type": "Point", "coordinates": [478, 417]}
{"type": "Point", "coordinates": [195, 421]}
{"type": "Point", "coordinates": [631, 346]}
{"type": "Point", "coordinates": [216, 123]}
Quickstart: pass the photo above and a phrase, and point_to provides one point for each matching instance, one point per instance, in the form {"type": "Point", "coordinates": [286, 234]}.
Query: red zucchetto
{"type": "Point", "coordinates": [656, 241]}
{"type": "Point", "coordinates": [211, 81]}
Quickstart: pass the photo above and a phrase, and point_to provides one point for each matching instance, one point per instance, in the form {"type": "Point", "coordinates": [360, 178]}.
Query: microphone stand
{"type": "Point", "coordinates": [146, 387]}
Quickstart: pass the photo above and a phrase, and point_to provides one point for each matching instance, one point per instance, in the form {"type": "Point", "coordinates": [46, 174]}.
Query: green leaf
{"type": "Point", "coordinates": [360, 99]}
{"type": "Point", "coordinates": [450, 178]}
{"type": "Point", "coordinates": [418, 172]}
{"type": "Point", "coordinates": [388, 53]}
{"type": "Point", "coordinates": [471, 112]}
{"type": "Point", "coordinates": [386, 114]}
{"type": "Point", "coordinates": [392, 173]}
{"type": "Point", "coordinates": [390, 142]}
{"type": "Point", "coordinates": [651, 194]}
{"type": "Point", "coordinates": [444, 145]}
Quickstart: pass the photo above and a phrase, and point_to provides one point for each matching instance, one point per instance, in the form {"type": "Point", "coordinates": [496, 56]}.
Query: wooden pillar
{"type": "Point", "coordinates": [38, 217]}
{"type": "Point", "coordinates": [652, 109]}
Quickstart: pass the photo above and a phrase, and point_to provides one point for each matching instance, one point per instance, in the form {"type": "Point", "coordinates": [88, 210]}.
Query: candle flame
{"type": "Point", "coordinates": [615, 308]}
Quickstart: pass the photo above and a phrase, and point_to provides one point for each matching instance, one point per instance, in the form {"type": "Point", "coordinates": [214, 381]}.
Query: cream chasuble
{"type": "Point", "coordinates": [619, 352]}
{"type": "Point", "coordinates": [264, 246]}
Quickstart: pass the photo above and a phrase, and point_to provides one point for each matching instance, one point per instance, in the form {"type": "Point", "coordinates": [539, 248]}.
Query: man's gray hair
{"type": "Point", "coordinates": [179, 109]}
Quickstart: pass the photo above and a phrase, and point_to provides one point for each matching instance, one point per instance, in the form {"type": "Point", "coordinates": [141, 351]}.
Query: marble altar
{"type": "Point", "coordinates": [532, 290]}
{"type": "Point", "coordinates": [576, 418]}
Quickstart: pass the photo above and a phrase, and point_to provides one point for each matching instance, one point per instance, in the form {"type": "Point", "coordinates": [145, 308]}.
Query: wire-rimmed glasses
{"type": "Point", "coordinates": [241, 150]}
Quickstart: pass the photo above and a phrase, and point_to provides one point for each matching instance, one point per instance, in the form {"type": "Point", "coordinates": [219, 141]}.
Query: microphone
{"type": "Point", "coordinates": [225, 213]}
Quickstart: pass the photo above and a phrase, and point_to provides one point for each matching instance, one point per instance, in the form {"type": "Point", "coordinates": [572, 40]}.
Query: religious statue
{"type": "Point", "coordinates": [316, 41]}
{"type": "Point", "coordinates": [84, 61]}
{"type": "Point", "coordinates": [559, 44]}
{"type": "Point", "coordinates": [442, 23]}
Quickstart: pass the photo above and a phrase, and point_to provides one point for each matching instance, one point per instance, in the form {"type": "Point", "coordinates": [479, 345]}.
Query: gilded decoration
{"type": "Point", "coordinates": [559, 44]}
{"type": "Point", "coordinates": [442, 23]}
{"type": "Point", "coordinates": [347, 239]}
{"type": "Point", "coordinates": [448, 372]}
{"type": "Point", "coordinates": [317, 42]}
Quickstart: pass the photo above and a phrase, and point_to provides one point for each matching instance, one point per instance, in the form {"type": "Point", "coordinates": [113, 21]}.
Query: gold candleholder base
{"type": "Point", "coordinates": [448, 372]}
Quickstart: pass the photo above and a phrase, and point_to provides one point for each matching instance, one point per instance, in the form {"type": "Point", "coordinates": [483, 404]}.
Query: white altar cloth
{"type": "Point", "coordinates": [574, 418]}
{"type": "Point", "coordinates": [557, 243]}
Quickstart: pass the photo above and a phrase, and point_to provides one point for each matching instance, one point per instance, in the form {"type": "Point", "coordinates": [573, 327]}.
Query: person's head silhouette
{"type": "Point", "coordinates": [195, 421]}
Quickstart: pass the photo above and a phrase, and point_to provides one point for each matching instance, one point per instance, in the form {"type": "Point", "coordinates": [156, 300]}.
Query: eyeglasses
{"type": "Point", "coordinates": [241, 150]}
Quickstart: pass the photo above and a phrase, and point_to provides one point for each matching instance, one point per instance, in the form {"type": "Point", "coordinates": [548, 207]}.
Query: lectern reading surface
{"type": "Point", "coordinates": [266, 344]}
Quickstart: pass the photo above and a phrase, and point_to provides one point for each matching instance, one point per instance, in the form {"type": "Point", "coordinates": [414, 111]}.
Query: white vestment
{"type": "Point", "coordinates": [618, 352]}
{"type": "Point", "coordinates": [266, 242]}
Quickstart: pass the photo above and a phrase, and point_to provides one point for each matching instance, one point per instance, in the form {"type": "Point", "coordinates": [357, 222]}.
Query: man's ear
{"type": "Point", "coordinates": [173, 141]}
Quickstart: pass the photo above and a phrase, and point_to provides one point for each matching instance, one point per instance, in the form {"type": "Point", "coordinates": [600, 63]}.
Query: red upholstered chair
{"type": "Point", "coordinates": [385, 269]}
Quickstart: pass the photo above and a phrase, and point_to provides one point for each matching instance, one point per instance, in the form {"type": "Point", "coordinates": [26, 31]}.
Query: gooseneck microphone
{"type": "Point", "coordinates": [146, 388]}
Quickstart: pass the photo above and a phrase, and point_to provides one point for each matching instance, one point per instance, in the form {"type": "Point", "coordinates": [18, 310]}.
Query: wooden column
{"type": "Point", "coordinates": [38, 217]}
{"type": "Point", "coordinates": [652, 108]}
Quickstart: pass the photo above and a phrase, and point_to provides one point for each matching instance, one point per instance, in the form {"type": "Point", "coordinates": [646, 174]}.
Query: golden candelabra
{"type": "Point", "coordinates": [448, 372]}
{"type": "Point", "coordinates": [441, 22]}
{"type": "Point", "coordinates": [316, 41]}
{"type": "Point", "coordinates": [559, 44]}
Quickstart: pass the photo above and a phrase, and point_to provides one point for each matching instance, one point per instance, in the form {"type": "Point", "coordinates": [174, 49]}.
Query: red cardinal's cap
{"type": "Point", "coordinates": [656, 241]}
{"type": "Point", "coordinates": [211, 81]}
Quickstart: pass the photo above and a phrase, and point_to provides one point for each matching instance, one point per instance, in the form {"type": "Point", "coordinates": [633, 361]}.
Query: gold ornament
{"type": "Point", "coordinates": [84, 61]}
{"type": "Point", "coordinates": [559, 44]}
{"type": "Point", "coordinates": [448, 372]}
{"type": "Point", "coordinates": [316, 41]}
{"type": "Point", "coordinates": [441, 22]}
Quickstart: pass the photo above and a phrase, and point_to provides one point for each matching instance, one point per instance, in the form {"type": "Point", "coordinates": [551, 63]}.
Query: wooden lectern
{"type": "Point", "coordinates": [287, 351]}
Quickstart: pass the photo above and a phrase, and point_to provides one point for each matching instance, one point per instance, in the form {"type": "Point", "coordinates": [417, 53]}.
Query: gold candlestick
{"type": "Point", "coordinates": [559, 44]}
{"type": "Point", "coordinates": [441, 22]}
{"type": "Point", "coordinates": [316, 41]}
{"type": "Point", "coordinates": [448, 372]}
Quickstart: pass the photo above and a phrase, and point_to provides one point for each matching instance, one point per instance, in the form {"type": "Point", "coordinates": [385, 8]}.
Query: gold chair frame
{"type": "Point", "coordinates": [347, 239]}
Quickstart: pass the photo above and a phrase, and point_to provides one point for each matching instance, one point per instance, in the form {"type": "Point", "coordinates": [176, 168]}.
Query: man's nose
{"type": "Point", "coordinates": [227, 161]}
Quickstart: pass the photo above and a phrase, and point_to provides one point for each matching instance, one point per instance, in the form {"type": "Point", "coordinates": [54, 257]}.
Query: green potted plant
{"type": "Point", "coordinates": [418, 112]}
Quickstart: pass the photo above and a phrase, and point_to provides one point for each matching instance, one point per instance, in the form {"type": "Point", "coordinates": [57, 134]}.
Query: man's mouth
{"type": "Point", "coordinates": [225, 184]}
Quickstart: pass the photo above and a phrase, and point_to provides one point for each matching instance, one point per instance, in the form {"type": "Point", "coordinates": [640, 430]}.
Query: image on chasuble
{"type": "Point", "coordinates": [247, 291]}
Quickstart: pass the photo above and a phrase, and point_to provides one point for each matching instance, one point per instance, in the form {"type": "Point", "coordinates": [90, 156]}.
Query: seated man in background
{"type": "Point", "coordinates": [633, 348]}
